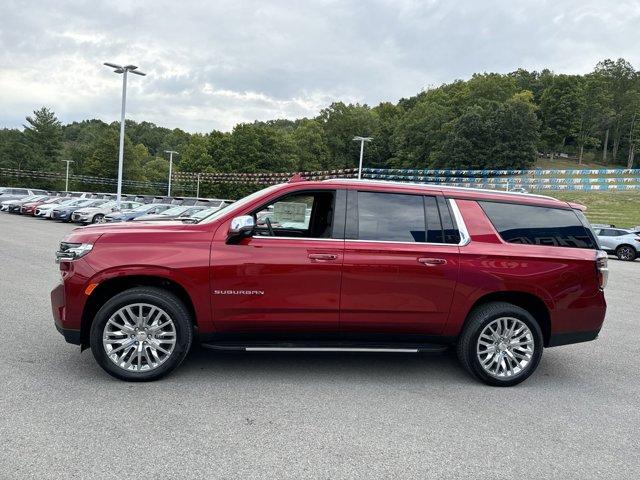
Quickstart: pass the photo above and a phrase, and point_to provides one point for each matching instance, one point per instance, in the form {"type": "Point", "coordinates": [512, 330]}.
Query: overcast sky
{"type": "Point", "coordinates": [212, 64]}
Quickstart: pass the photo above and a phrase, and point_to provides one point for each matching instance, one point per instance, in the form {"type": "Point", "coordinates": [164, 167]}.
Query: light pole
{"type": "Point", "coordinates": [198, 186]}
{"type": "Point", "coordinates": [170, 152]}
{"type": "Point", "coordinates": [66, 184]}
{"type": "Point", "coordinates": [361, 140]}
{"type": "Point", "coordinates": [119, 69]}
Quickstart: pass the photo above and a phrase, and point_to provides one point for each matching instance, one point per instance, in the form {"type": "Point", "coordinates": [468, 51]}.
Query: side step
{"type": "Point", "coordinates": [326, 347]}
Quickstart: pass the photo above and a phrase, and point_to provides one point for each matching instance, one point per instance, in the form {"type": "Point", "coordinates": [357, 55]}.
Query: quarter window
{"type": "Point", "coordinates": [534, 225]}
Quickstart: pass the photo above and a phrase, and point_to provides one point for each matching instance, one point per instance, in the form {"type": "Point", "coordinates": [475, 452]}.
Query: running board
{"type": "Point", "coordinates": [289, 347]}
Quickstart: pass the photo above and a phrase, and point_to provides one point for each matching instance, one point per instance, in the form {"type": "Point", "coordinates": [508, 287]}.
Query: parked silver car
{"type": "Point", "coordinates": [623, 243]}
{"type": "Point", "coordinates": [96, 214]}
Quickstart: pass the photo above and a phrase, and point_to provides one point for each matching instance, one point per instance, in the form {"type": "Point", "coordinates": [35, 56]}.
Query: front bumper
{"type": "Point", "coordinates": [59, 311]}
{"type": "Point", "coordinates": [68, 299]}
{"type": "Point", "coordinates": [80, 218]}
{"type": "Point", "coordinates": [60, 215]}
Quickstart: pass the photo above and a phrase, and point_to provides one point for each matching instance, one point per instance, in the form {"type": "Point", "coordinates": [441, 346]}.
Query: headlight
{"type": "Point", "coordinates": [72, 251]}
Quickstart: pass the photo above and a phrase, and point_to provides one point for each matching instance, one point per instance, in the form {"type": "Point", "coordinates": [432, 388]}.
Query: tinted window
{"type": "Point", "coordinates": [449, 229]}
{"type": "Point", "coordinates": [390, 217]}
{"type": "Point", "coordinates": [434, 225]}
{"type": "Point", "coordinates": [537, 225]}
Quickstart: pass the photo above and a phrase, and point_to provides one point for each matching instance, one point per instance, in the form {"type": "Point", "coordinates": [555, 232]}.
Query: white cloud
{"type": "Point", "coordinates": [213, 64]}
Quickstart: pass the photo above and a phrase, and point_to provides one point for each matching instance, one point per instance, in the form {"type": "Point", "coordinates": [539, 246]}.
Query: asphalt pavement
{"type": "Point", "coordinates": [333, 416]}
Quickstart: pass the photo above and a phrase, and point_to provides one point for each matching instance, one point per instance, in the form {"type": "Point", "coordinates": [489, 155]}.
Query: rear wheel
{"type": "Point", "coordinates": [626, 253]}
{"type": "Point", "coordinates": [501, 344]}
{"type": "Point", "coordinates": [98, 218]}
{"type": "Point", "coordinates": [141, 334]}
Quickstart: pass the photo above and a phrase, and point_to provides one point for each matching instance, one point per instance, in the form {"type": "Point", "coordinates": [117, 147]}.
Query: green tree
{"type": "Point", "coordinates": [104, 159]}
{"type": "Point", "coordinates": [622, 84]}
{"type": "Point", "coordinates": [341, 123]}
{"type": "Point", "coordinates": [592, 112]}
{"type": "Point", "coordinates": [516, 129]}
{"type": "Point", "coordinates": [43, 135]}
{"type": "Point", "coordinates": [311, 150]}
{"type": "Point", "coordinates": [558, 105]}
{"type": "Point", "coordinates": [14, 153]}
{"type": "Point", "coordinates": [195, 157]}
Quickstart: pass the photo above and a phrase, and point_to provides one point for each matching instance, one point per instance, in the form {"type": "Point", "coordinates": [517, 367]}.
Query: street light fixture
{"type": "Point", "coordinates": [66, 185]}
{"type": "Point", "coordinates": [361, 140]}
{"type": "Point", "coordinates": [122, 70]}
{"type": "Point", "coordinates": [170, 152]}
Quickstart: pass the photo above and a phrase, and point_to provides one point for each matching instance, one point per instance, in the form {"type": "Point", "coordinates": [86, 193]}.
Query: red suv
{"type": "Point", "coordinates": [339, 265]}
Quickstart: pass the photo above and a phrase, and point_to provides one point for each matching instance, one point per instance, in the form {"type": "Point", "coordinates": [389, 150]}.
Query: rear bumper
{"type": "Point", "coordinates": [567, 338]}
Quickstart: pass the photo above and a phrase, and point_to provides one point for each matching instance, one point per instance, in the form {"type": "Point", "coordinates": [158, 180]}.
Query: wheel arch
{"type": "Point", "coordinates": [528, 301]}
{"type": "Point", "coordinates": [112, 286]}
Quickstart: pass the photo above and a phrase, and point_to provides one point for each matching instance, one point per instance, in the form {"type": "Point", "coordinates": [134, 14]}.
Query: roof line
{"type": "Point", "coordinates": [435, 186]}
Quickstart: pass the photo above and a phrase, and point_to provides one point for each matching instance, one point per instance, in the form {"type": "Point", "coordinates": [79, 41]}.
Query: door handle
{"type": "Point", "coordinates": [431, 262]}
{"type": "Point", "coordinates": [322, 256]}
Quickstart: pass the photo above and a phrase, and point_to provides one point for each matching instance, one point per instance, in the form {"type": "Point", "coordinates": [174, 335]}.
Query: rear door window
{"type": "Point", "coordinates": [391, 217]}
{"type": "Point", "coordinates": [533, 225]}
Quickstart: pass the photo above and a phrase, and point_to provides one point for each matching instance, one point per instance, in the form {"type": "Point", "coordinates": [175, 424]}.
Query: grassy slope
{"type": "Point", "coordinates": [618, 208]}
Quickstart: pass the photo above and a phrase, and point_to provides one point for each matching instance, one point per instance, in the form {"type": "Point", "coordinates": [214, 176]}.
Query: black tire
{"type": "Point", "coordinates": [97, 218]}
{"type": "Point", "coordinates": [626, 253]}
{"type": "Point", "coordinates": [479, 318]}
{"type": "Point", "coordinates": [163, 299]}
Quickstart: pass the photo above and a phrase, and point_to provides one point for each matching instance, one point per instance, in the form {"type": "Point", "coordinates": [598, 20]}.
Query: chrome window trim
{"type": "Point", "coordinates": [465, 238]}
{"type": "Point", "coordinates": [299, 238]}
{"type": "Point", "coordinates": [462, 228]}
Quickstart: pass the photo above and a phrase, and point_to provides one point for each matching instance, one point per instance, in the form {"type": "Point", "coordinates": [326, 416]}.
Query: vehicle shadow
{"type": "Point", "coordinates": [279, 365]}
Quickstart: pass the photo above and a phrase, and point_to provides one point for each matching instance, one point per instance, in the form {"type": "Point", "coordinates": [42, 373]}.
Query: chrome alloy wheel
{"type": "Point", "coordinates": [139, 337]}
{"type": "Point", "coordinates": [626, 253]}
{"type": "Point", "coordinates": [505, 347]}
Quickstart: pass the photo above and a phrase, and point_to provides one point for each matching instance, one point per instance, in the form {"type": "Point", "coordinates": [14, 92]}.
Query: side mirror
{"type": "Point", "coordinates": [240, 228]}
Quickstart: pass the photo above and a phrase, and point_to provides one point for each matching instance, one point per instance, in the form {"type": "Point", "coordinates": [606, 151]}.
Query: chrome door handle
{"type": "Point", "coordinates": [322, 256]}
{"type": "Point", "coordinates": [430, 262]}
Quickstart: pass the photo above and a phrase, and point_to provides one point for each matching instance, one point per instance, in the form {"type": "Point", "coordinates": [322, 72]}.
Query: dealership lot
{"type": "Point", "coordinates": [305, 415]}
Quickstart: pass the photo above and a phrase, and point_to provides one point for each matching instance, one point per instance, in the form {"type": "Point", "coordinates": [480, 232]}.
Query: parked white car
{"type": "Point", "coordinates": [623, 243]}
{"type": "Point", "coordinates": [97, 214]}
{"type": "Point", "coordinates": [45, 209]}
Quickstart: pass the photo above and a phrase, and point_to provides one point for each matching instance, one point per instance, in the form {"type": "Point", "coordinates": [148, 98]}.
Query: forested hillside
{"type": "Point", "coordinates": [488, 121]}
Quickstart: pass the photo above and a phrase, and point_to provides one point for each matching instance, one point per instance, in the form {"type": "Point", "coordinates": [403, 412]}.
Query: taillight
{"type": "Point", "coordinates": [602, 262]}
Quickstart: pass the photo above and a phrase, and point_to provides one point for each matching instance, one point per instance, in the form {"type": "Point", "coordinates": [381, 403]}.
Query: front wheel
{"type": "Point", "coordinates": [501, 344]}
{"type": "Point", "coordinates": [98, 218]}
{"type": "Point", "coordinates": [141, 334]}
{"type": "Point", "coordinates": [626, 253]}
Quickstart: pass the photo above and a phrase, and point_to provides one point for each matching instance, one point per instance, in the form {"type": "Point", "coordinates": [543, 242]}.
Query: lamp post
{"type": "Point", "coordinates": [198, 186]}
{"type": "Point", "coordinates": [119, 69]}
{"type": "Point", "coordinates": [170, 152]}
{"type": "Point", "coordinates": [66, 184]}
{"type": "Point", "coordinates": [361, 140]}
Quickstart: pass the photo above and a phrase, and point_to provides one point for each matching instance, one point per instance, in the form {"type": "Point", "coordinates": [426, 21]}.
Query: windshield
{"type": "Point", "coordinates": [144, 208]}
{"type": "Point", "coordinates": [203, 213]}
{"type": "Point", "coordinates": [239, 204]}
{"type": "Point", "coordinates": [174, 211]}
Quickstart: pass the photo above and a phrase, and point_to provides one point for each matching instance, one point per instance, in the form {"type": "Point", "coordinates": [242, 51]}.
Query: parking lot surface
{"type": "Point", "coordinates": [305, 415]}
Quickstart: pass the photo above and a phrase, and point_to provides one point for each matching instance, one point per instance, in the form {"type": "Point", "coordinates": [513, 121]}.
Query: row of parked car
{"type": "Point", "coordinates": [85, 207]}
